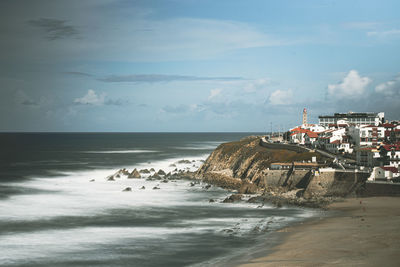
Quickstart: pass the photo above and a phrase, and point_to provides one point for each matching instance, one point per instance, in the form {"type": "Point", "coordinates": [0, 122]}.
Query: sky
{"type": "Point", "coordinates": [194, 65]}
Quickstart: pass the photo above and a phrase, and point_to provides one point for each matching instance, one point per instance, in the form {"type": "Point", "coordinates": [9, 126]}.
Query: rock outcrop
{"type": "Point", "coordinates": [245, 166]}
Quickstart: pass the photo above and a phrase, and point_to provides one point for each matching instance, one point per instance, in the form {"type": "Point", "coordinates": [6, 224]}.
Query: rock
{"type": "Point", "coordinates": [164, 181]}
{"type": "Point", "coordinates": [128, 189]}
{"type": "Point", "coordinates": [155, 188]}
{"type": "Point", "coordinates": [172, 165]}
{"type": "Point", "coordinates": [152, 170]}
{"type": "Point", "coordinates": [161, 172]}
{"type": "Point", "coordinates": [211, 200]}
{"type": "Point", "coordinates": [248, 188]}
{"type": "Point", "coordinates": [156, 176]}
{"type": "Point", "coordinates": [117, 176]}
{"type": "Point", "coordinates": [110, 178]}
{"type": "Point", "coordinates": [193, 161]}
{"type": "Point", "coordinates": [233, 198]}
{"type": "Point", "coordinates": [207, 187]}
{"type": "Point", "coordinates": [143, 187]}
{"type": "Point", "coordinates": [192, 184]}
{"type": "Point", "coordinates": [146, 171]}
{"type": "Point", "coordinates": [134, 174]}
{"type": "Point", "coordinates": [92, 180]}
{"type": "Point", "coordinates": [124, 171]}
{"type": "Point", "coordinates": [257, 199]}
{"type": "Point", "coordinates": [184, 161]}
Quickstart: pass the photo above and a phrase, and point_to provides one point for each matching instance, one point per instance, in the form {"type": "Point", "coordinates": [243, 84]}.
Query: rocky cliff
{"type": "Point", "coordinates": [244, 165]}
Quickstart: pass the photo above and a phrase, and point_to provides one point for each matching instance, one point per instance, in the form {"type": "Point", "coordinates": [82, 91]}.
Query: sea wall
{"type": "Point", "coordinates": [375, 189]}
{"type": "Point", "coordinates": [248, 161]}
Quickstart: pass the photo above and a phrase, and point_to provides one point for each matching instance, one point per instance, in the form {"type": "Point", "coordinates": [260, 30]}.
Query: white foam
{"type": "Point", "coordinates": [72, 193]}
{"type": "Point", "coordinates": [121, 151]}
{"type": "Point", "coordinates": [26, 247]}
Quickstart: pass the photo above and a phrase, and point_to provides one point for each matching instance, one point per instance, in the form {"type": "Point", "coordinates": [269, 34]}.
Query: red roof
{"type": "Point", "coordinates": [390, 168]}
{"type": "Point", "coordinates": [389, 147]}
{"type": "Point", "coordinates": [388, 125]}
{"type": "Point", "coordinates": [312, 134]}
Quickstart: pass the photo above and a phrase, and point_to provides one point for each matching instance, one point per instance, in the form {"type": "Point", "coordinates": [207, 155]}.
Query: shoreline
{"type": "Point", "coordinates": [355, 232]}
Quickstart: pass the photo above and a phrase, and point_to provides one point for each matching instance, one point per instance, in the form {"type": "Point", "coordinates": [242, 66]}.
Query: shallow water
{"type": "Point", "coordinates": [53, 214]}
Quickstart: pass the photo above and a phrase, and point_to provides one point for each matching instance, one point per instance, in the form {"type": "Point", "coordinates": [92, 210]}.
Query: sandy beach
{"type": "Point", "coordinates": [362, 232]}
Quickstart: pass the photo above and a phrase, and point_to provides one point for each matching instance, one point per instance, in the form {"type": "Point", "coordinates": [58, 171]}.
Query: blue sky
{"type": "Point", "coordinates": [188, 65]}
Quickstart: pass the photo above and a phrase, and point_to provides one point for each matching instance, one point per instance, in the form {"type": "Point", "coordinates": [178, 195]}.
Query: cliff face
{"type": "Point", "coordinates": [244, 164]}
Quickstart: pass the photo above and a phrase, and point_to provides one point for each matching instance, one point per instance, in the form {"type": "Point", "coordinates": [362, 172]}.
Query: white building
{"type": "Point", "coordinates": [368, 156]}
{"type": "Point", "coordinates": [384, 173]}
{"type": "Point", "coordinates": [392, 153]}
{"type": "Point", "coordinates": [365, 118]}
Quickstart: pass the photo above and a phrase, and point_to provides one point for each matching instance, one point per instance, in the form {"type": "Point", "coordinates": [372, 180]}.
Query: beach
{"type": "Point", "coordinates": [358, 232]}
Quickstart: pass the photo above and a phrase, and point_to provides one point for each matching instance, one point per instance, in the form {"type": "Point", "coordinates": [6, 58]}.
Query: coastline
{"type": "Point", "coordinates": [358, 232]}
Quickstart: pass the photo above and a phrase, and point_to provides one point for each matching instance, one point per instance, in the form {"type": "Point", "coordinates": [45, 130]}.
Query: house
{"type": "Point", "coordinates": [368, 156]}
{"type": "Point", "coordinates": [390, 154]}
{"type": "Point", "coordinates": [366, 135]}
{"type": "Point", "coordinates": [384, 173]}
{"type": "Point", "coordinates": [338, 146]}
{"type": "Point", "coordinates": [310, 138]}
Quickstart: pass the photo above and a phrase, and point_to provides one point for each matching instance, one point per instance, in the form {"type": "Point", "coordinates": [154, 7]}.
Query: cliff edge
{"type": "Point", "coordinates": [245, 165]}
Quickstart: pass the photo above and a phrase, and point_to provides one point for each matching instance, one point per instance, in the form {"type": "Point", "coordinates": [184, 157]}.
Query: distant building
{"type": "Point", "coordinates": [365, 118]}
{"type": "Point", "coordinates": [368, 156]}
{"type": "Point", "coordinates": [384, 173]}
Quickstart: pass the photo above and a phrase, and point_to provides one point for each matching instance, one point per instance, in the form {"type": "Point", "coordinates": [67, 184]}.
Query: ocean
{"type": "Point", "coordinates": [58, 209]}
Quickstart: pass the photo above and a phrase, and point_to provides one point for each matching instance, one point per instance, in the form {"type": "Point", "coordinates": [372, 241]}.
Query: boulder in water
{"type": "Point", "coordinates": [156, 176]}
{"type": "Point", "coordinates": [155, 188]}
{"type": "Point", "coordinates": [152, 170]}
{"type": "Point", "coordinates": [207, 187]}
{"type": "Point", "coordinates": [134, 174]}
{"type": "Point", "coordinates": [233, 198]}
{"type": "Point", "coordinates": [110, 178]}
{"type": "Point", "coordinates": [92, 180]}
{"type": "Point", "coordinates": [128, 189]}
{"type": "Point", "coordinates": [161, 172]}
{"type": "Point", "coordinates": [144, 171]}
{"type": "Point", "coordinates": [184, 161]}
{"type": "Point", "coordinates": [143, 187]}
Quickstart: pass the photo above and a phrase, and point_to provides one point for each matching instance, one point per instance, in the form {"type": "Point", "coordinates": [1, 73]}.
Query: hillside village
{"type": "Point", "coordinates": [368, 141]}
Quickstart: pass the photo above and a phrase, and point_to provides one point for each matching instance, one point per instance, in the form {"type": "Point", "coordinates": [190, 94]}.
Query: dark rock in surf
{"type": "Point", "coordinates": [145, 171]}
{"type": "Point", "coordinates": [233, 198]}
{"type": "Point", "coordinates": [134, 174]}
{"type": "Point", "coordinates": [161, 172]}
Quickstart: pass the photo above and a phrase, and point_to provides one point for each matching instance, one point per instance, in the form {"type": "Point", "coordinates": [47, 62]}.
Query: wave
{"type": "Point", "coordinates": [121, 151]}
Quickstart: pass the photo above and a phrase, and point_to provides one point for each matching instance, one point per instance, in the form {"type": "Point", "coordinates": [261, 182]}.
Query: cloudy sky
{"type": "Point", "coordinates": [194, 65]}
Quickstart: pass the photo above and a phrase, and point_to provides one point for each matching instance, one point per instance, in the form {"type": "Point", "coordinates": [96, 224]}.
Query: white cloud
{"type": "Point", "coordinates": [388, 33]}
{"type": "Point", "coordinates": [214, 93]}
{"type": "Point", "coordinates": [281, 97]}
{"type": "Point", "coordinates": [91, 98]}
{"type": "Point", "coordinates": [389, 88]}
{"type": "Point", "coordinates": [256, 85]}
{"type": "Point", "coordinates": [352, 85]}
{"type": "Point", "coordinates": [362, 25]}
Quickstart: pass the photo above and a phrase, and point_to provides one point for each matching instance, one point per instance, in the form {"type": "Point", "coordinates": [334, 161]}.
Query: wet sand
{"type": "Point", "coordinates": [362, 232]}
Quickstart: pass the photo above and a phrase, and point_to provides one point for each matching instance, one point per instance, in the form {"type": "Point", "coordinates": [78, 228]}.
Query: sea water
{"type": "Point", "coordinates": [57, 207]}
